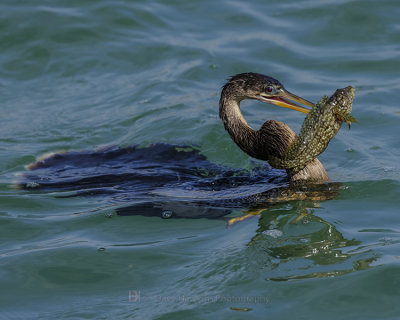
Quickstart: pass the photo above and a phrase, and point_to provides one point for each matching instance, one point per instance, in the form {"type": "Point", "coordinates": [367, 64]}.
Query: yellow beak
{"type": "Point", "coordinates": [281, 101]}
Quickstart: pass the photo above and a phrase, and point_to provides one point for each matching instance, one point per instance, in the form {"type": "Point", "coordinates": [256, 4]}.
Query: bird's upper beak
{"type": "Point", "coordinates": [281, 99]}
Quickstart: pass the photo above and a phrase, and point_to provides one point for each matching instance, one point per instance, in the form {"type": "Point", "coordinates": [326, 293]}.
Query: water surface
{"type": "Point", "coordinates": [84, 75]}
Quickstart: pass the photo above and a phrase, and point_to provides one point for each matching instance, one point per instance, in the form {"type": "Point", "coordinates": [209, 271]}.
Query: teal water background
{"type": "Point", "coordinates": [77, 75]}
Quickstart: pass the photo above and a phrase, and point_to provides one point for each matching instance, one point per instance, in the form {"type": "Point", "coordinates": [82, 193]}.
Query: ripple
{"type": "Point", "coordinates": [77, 75]}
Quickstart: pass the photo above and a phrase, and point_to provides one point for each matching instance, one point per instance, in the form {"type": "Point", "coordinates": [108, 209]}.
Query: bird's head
{"type": "Point", "coordinates": [265, 89]}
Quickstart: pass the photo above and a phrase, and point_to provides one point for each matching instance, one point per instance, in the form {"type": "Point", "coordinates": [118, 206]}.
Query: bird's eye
{"type": "Point", "coordinates": [268, 89]}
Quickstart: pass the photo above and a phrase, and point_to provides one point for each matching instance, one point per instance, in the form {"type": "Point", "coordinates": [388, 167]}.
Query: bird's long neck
{"type": "Point", "coordinates": [236, 125]}
{"type": "Point", "coordinates": [273, 138]}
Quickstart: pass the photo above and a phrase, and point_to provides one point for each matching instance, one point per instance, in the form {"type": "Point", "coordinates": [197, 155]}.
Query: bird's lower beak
{"type": "Point", "coordinates": [283, 100]}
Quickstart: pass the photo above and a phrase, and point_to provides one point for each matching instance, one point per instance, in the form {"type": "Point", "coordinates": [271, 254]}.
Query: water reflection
{"type": "Point", "coordinates": [305, 245]}
{"type": "Point", "coordinates": [173, 182]}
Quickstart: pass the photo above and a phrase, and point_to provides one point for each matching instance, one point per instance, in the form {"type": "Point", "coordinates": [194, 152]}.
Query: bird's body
{"type": "Point", "coordinates": [155, 177]}
{"type": "Point", "coordinates": [273, 140]}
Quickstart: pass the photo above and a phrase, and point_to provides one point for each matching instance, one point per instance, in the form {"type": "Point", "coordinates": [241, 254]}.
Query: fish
{"type": "Point", "coordinates": [321, 124]}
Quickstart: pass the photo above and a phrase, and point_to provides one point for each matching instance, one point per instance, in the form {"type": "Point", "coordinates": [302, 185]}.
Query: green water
{"type": "Point", "coordinates": [77, 75]}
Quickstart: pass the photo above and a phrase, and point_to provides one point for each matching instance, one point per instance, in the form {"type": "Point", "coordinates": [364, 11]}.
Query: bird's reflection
{"type": "Point", "coordinates": [304, 245]}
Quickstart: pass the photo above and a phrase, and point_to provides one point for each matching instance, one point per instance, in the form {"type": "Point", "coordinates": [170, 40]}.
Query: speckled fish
{"type": "Point", "coordinates": [319, 127]}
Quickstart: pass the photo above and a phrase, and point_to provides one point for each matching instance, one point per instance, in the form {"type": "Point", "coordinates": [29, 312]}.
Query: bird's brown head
{"type": "Point", "coordinates": [265, 89]}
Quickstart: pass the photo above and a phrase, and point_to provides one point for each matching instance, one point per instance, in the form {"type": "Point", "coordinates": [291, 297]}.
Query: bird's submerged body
{"type": "Point", "coordinates": [167, 178]}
